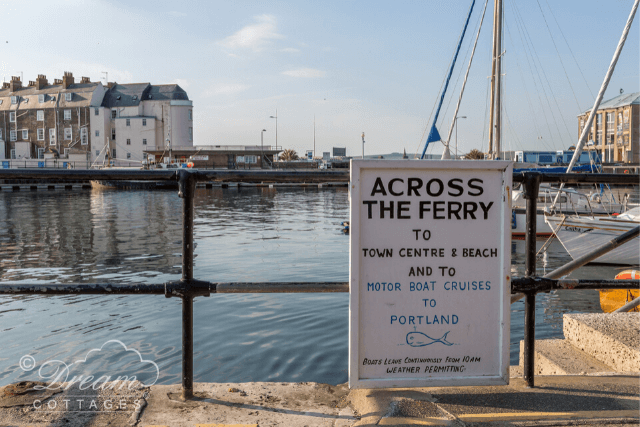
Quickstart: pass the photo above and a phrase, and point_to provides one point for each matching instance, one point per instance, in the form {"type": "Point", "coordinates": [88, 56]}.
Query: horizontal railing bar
{"type": "Point", "coordinates": [283, 287]}
{"type": "Point", "coordinates": [518, 284]}
{"type": "Point", "coordinates": [541, 284]}
{"type": "Point", "coordinates": [578, 178]}
{"type": "Point", "coordinates": [268, 175]}
{"type": "Point", "coordinates": [82, 289]}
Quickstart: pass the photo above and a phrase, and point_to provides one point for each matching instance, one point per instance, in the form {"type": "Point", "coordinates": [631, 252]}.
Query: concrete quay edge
{"type": "Point", "coordinates": [572, 400]}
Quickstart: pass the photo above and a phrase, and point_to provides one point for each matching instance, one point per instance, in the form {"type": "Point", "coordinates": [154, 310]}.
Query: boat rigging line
{"type": "Point", "coordinates": [603, 88]}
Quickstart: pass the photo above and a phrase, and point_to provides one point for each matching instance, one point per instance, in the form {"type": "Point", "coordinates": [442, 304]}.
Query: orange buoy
{"type": "Point", "coordinates": [189, 165]}
{"type": "Point", "coordinates": [611, 300]}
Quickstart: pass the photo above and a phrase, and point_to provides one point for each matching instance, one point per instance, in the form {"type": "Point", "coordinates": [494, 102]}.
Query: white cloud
{"type": "Point", "coordinates": [290, 50]}
{"type": "Point", "coordinates": [255, 36]}
{"type": "Point", "coordinates": [308, 73]}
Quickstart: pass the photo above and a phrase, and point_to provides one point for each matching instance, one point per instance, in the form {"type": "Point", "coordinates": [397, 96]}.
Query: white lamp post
{"type": "Point", "coordinates": [276, 117]}
{"type": "Point", "coordinates": [458, 117]}
{"type": "Point", "coordinates": [262, 146]}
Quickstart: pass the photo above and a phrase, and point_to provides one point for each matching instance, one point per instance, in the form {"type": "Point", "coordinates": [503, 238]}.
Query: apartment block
{"type": "Point", "coordinates": [615, 132]}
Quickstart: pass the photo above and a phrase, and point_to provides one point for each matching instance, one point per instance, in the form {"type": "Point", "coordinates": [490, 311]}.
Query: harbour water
{"type": "Point", "coordinates": [246, 234]}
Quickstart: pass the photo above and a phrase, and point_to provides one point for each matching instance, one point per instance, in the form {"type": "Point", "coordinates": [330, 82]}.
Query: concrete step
{"type": "Point", "coordinates": [612, 338]}
{"type": "Point", "coordinates": [558, 357]}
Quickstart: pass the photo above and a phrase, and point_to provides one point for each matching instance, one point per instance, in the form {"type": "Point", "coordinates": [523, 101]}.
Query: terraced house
{"type": "Point", "coordinates": [89, 124]}
{"type": "Point", "coordinates": [48, 117]}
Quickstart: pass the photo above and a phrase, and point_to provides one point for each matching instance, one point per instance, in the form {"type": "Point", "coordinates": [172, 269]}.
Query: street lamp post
{"type": "Point", "coordinates": [276, 117]}
{"type": "Point", "coordinates": [362, 145]}
{"type": "Point", "coordinates": [262, 146]}
{"type": "Point", "coordinates": [458, 117]}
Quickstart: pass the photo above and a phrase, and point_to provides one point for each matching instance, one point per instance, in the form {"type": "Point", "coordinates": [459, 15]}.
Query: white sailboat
{"type": "Point", "coordinates": [580, 235]}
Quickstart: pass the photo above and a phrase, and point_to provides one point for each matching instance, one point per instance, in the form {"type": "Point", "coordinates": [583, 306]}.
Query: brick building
{"type": "Point", "coordinates": [43, 117]}
{"type": "Point", "coordinates": [616, 129]}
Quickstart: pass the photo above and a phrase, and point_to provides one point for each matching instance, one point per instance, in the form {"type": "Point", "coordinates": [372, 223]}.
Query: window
{"type": "Point", "coordinates": [68, 96]}
{"type": "Point", "coordinates": [128, 155]}
{"type": "Point", "coordinates": [96, 112]}
{"type": "Point", "coordinates": [13, 135]}
{"type": "Point", "coordinates": [97, 133]}
{"type": "Point", "coordinates": [599, 129]}
{"type": "Point", "coordinates": [12, 116]}
{"type": "Point", "coordinates": [144, 122]}
{"type": "Point", "coordinates": [190, 134]}
{"type": "Point", "coordinates": [190, 114]}
{"type": "Point", "coordinates": [113, 153]}
{"type": "Point", "coordinates": [144, 141]}
{"type": "Point", "coordinates": [40, 134]}
{"type": "Point", "coordinates": [66, 153]}
{"type": "Point", "coordinates": [14, 99]}
{"type": "Point", "coordinates": [68, 134]}
{"type": "Point", "coordinates": [52, 137]}
{"type": "Point", "coordinates": [113, 134]}
{"type": "Point", "coordinates": [41, 153]}
{"type": "Point", "coordinates": [13, 153]}
{"type": "Point", "coordinates": [114, 114]}
{"type": "Point", "coordinates": [40, 115]}
{"type": "Point", "coordinates": [0, 133]}
{"type": "Point", "coordinates": [610, 128]}
{"type": "Point", "coordinates": [84, 136]}
{"type": "Point", "coordinates": [128, 141]}
{"type": "Point", "coordinates": [25, 134]}
{"type": "Point", "coordinates": [128, 122]}
{"type": "Point", "coordinates": [250, 159]}
{"type": "Point", "coordinates": [67, 114]}
{"type": "Point", "coordinates": [41, 98]}
{"type": "Point", "coordinates": [240, 159]}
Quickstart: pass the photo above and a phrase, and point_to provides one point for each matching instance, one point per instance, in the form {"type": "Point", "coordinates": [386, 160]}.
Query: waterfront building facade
{"type": "Point", "coordinates": [137, 117]}
{"type": "Point", "coordinates": [615, 132]}
{"type": "Point", "coordinates": [47, 118]}
{"type": "Point", "coordinates": [85, 123]}
{"type": "Point", "coordinates": [217, 156]}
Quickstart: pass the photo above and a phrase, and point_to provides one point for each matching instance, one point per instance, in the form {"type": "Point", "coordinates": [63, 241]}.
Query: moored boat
{"type": "Point", "coordinates": [579, 235]}
{"type": "Point", "coordinates": [611, 300]}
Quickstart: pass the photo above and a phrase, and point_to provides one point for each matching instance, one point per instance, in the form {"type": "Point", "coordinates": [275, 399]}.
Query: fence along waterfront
{"type": "Point", "coordinates": [187, 288]}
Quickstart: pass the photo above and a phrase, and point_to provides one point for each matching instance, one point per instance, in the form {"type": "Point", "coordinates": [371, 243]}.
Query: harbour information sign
{"type": "Point", "coordinates": [430, 264]}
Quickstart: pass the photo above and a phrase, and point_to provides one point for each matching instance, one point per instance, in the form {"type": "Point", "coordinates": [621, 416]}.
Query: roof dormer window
{"type": "Point", "coordinates": [14, 99]}
{"type": "Point", "coordinates": [41, 98]}
{"type": "Point", "coordinates": [68, 96]}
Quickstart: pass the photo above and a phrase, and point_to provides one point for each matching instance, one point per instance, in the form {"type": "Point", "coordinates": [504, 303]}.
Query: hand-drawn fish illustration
{"type": "Point", "coordinates": [419, 339]}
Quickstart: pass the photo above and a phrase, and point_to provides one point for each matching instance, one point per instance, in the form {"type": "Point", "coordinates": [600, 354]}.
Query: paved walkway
{"type": "Point", "coordinates": [556, 400]}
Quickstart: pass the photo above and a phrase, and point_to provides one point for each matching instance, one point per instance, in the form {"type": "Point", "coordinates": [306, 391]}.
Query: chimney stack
{"type": "Point", "coordinates": [57, 81]}
{"type": "Point", "coordinates": [67, 79]}
{"type": "Point", "coordinates": [85, 80]}
{"type": "Point", "coordinates": [41, 82]}
{"type": "Point", "coordinates": [15, 83]}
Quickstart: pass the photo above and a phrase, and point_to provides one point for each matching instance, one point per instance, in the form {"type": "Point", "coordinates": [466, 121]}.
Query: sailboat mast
{"type": "Point", "coordinates": [498, 112]}
{"type": "Point", "coordinates": [493, 80]}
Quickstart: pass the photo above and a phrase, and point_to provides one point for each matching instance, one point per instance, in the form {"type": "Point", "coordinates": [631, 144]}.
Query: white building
{"type": "Point", "coordinates": [137, 117]}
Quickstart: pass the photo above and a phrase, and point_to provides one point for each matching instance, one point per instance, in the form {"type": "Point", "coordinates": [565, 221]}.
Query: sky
{"type": "Point", "coordinates": [343, 67]}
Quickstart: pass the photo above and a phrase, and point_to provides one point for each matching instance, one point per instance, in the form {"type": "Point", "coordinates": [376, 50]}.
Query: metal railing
{"type": "Point", "coordinates": [187, 288]}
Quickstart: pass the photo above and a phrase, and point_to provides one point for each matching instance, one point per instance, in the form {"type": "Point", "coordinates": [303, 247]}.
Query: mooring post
{"type": "Point", "coordinates": [531, 187]}
{"type": "Point", "coordinates": [187, 187]}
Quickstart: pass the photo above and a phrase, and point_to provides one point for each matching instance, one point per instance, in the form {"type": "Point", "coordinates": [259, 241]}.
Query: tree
{"type": "Point", "coordinates": [288, 155]}
{"type": "Point", "coordinates": [475, 154]}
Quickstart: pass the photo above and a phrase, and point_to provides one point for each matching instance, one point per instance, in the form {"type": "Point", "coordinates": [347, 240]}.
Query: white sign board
{"type": "Point", "coordinates": [429, 273]}
{"type": "Point", "coordinates": [199, 157]}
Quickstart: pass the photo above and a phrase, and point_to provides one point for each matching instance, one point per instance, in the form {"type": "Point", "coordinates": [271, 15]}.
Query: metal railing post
{"type": "Point", "coordinates": [531, 187]}
{"type": "Point", "coordinates": [187, 183]}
